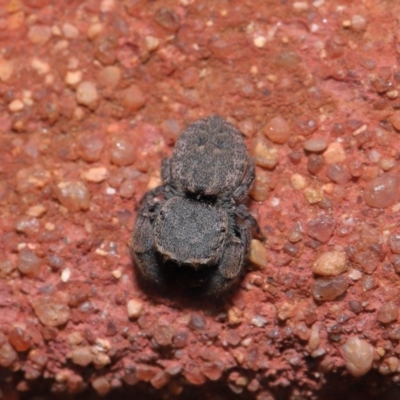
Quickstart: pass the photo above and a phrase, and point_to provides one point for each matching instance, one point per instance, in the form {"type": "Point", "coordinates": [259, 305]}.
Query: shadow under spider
{"type": "Point", "coordinates": [184, 288]}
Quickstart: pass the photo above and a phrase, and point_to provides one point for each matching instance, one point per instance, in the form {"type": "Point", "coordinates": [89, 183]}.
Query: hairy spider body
{"type": "Point", "coordinates": [192, 229]}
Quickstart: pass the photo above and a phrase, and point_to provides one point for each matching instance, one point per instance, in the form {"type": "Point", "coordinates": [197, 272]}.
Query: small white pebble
{"type": "Point", "coordinates": [41, 67]}
{"type": "Point", "coordinates": [355, 274]}
{"type": "Point", "coordinates": [254, 70]}
{"type": "Point", "coordinates": [346, 23]}
{"type": "Point", "coordinates": [39, 34]}
{"type": "Point", "coordinates": [258, 321]}
{"type": "Point", "coordinates": [50, 226]}
{"type": "Point", "coordinates": [258, 254]}
{"type": "Point", "coordinates": [73, 195]}
{"type": "Point", "coordinates": [330, 263]}
{"type": "Point", "coordinates": [392, 94]}
{"type": "Point", "coordinates": [313, 195]}
{"type": "Point", "coordinates": [111, 191]}
{"type": "Point", "coordinates": [56, 31]}
{"type": "Point", "coordinates": [117, 274]}
{"type": "Point", "coordinates": [101, 252]}
{"type": "Point", "coordinates": [235, 315]}
{"type": "Point", "coordinates": [70, 31]}
{"type": "Point", "coordinates": [358, 23]}
{"type": "Point", "coordinates": [265, 156]}
{"type": "Point", "coordinates": [36, 211]}
{"type": "Point", "coordinates": [374, 156]}
{"type": "Point", "coordinates": [6, 69]}
{"type": "Point", "coordinates": [152, 43]}
{"type": "Point", "coordinates": [16, 105]}
{"type": "Point", "coordinates": [275, 202]}
{"type": "Point", "coordinates": [260, 41]}
{"type": "Point", "coordinates": [73, 77]}
{"type": "Point", "coordinates": [65, 275]}
{"type": "Point", "coordinates": [335, 153]}
{"type": "Point", "coordinates": [100, 360]}
{"type": "Point", "coordinates": [96, 174]}
{"type": "Point", "coordinates": [75, 338]}
{"type": "Point", "coordinates": [247, 342]}
{"type": "Point", "coordinates": [300, 5]}
{"type": "Point", "coordinates": [328, 188]}
{"type": "Point", "coordinates": [154, 181]}
{"type": "Point", "coordinates": [135, 308]}
{"type": "Point", "coordinates": [298, 181]}
{"type": "Point", "coordinates": [318, 3]}
{"type": "Point", "coordinates": [358, 355]}
{"type": "Point", "coordinates": [361, 129]}
{"type": "Point", "coordinates": [94, 30]}
{"type": "Point", "coordinates": [60, 46]}
{"type": "Point", "coordinates": [26, 95]}
{"type": "Point", "coordinates": [87, 95]}
{"type": "Point", "coordinates": [387, 163]}
{"type": "Point", "coordinates": [314, 340]}
{"type": "Point", "coordinates": [102, 345]}
{"type": "Point", "coordinates": [107, 5]}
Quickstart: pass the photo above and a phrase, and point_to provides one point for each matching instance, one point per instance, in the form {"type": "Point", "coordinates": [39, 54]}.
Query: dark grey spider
{"type": "Point", "coordinates": [192, 229]}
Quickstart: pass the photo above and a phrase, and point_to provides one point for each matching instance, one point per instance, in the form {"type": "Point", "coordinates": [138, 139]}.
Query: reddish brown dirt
{"type": "Point", "coordinates": [93, 95]}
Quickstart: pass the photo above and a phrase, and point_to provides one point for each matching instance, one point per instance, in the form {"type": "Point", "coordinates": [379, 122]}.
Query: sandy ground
{"type": "Point", "coordinates": [93, 94]}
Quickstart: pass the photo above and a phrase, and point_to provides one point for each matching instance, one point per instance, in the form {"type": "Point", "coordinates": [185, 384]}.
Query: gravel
{"type": "Point", "coordinates": [52, 310]}
{"type": "Point", "coordinates": [74, 195]}
{"type": "Point", "coordinates": [358, 355]}
{"type": "Point", "coordinates": [87, 94]}
{"type": "Point", "coordinates": [277, 130]}
{"type": "Point", "coordinates": [382, 192]}
{"type": "Point", "coordinates": [330, 263]}
{"type": "Point", "coordinates": [94, 95]}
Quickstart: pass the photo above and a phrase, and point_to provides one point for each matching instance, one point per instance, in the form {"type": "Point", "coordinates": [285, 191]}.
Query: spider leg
{"type": "Point", "coordinates": [166, 170]}
{"type": "Point", "coordinates": [142, 243]}
{"type": "Point", "coordinates": [166, 189]}
{"type": "Point", "coordinates": [152, 194]}
{"type": "Point", "coordinates": [243, 189]}
{"type": "Point", "coordinates": [243, 213]}
{"type": "Point", "coordinates": [232, 262]}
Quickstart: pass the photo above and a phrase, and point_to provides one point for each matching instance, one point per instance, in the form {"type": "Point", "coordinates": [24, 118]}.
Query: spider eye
{"type": "Point", "coordinates": [222, 229]}
{"type": "Point", "coordinates": [201, 140]}
{"type": "Point", "coordinates": [162, 214]}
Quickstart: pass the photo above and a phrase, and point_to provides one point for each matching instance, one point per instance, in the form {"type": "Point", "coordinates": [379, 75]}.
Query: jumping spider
{"type": "Point", "coordinates": [192, 230]}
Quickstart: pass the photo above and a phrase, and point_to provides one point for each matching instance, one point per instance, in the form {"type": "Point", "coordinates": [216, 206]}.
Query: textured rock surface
{"type": "Point", "coordinates": [93, 95]}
